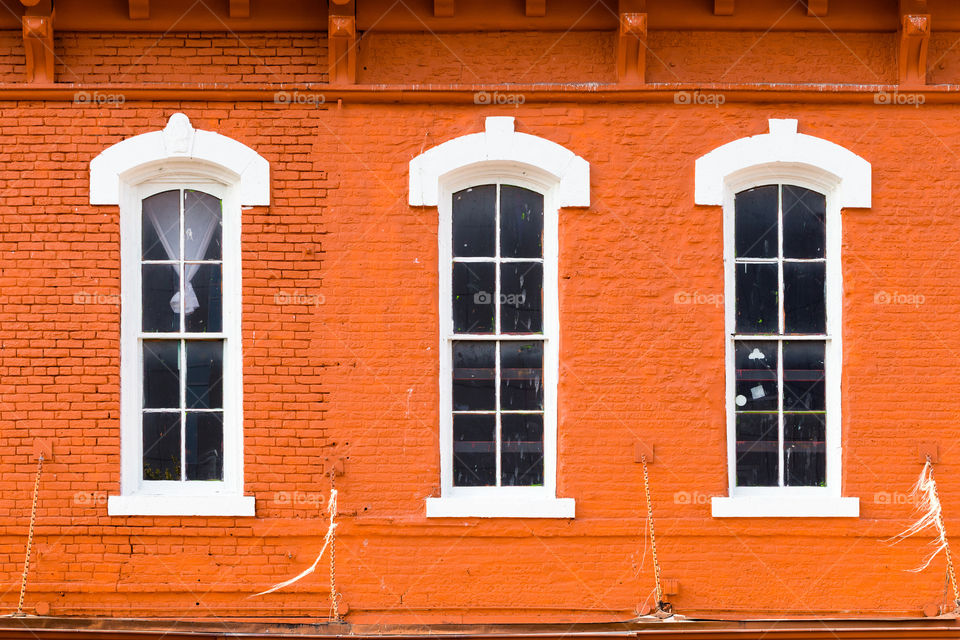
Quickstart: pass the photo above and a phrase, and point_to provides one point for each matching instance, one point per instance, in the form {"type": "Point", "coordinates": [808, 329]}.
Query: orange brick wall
{"type": "Point", "coordinates": [357, 375]}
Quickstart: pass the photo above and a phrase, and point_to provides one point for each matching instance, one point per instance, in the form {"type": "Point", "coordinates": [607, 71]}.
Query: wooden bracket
{"type": "Point", "coordinates": [138, 9]}
{"type": "Point", "coordinates": [443, 8]}
{"type": "Point", "coordinates": [931, 449]}
{"type": "Point", "coordinates": [535, 8]}
{"type": "Point", "coordinates": [914, 32]}
{"type": "Point", "coordinates": [817, 8]}
{"type": "Point", "coordinates": [44, 448]}
{"type": "Point", "coordinates": [38, 40]}
{"type": "Point", "coordinates": [644, 450]}
{"type": "Point", "coordinates": [342, 42]}
{"type": "Point", "coordinates": [723, 7]}
{"type": "Point", "coordinates": [239, 8]}
{"type": "Point", "coordinates": [632, 48]}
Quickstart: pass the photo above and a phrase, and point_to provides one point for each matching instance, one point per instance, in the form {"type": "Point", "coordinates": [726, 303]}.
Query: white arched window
{"type": "Point", "coordinates": [498, 195]}
{"type": "Point", "coordinates": [180, 193]}
{"type": "Point", "coordinates": [782, 194]}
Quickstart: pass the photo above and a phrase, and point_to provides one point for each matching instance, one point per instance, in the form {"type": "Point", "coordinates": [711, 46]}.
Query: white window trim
{"type": "Point", "coordinates": [500, 155]}
{"type": "Point", "coordinates": [784, 156]}
{"type": "Point", "coordinates": [175, 158]}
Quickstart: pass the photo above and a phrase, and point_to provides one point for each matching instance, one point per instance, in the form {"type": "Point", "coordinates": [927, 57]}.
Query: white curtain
{"type": "Point", "coordinates": [200, 225]}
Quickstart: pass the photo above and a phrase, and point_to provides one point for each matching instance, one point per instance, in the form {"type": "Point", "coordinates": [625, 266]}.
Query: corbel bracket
{"type": "Point", "coordinates": [38, 40]}
{"type": "Point", "coordinates": [913, 41]}
{"type": "Point", "coordinates": [342, 42]}
{"type": "Point", "coordinates": [632, 48]}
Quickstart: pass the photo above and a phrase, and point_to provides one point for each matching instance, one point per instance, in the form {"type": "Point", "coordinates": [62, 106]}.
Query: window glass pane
{"type": "Point", "coordinates": [757, 306]}
{"type": "Point", "coordinates": [755, 222]}
{"type": "Point", "coordinates": [521, 376]}
{"type": "Point", "coordinates": [521, 223]}
{"type": "Point", "coordinates": [804, 297]}
{"type": "Point", "coordinates": [204, 374]}
{"type": "Point", "coordinates": [521, 297]}
{"type": "Point", "coordinates": [204, 445]}
{"type": "Point", "coordinates": [161, 446]}
{"type": "Point", "coordinates": [474, 450]}
{"type": "Point", "coordinates": [803, 376]}
{"type": "Point", "coordinates": [474, 290]}
{"type": "Point", "coordinates": [804, 230]}
{"type": "Point", "coordinates": [474, 371]}
{"type": "Point", "coordinates": [474, 221]}
{"type": "Point", "coordinates": [204, 299]}
{"type": "Point", "coordinates": [758, 450]}
{"type": "Point", "coordinates": [160, 226]}
{"type": "Point", "coordinates": [521, 447]}
{"type": "Point", "coordinates": [202, 222]}
{"type": "Point", "coordinates": [159, 295]}
{"type": "Point", "coordinates": [161, 374]}
{"type": "Point", "coordinates": [756, 381]}
{"type": "Point", "coordinates": [805, 449]}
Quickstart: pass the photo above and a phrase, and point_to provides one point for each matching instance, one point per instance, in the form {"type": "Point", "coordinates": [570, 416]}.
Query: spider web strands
{"type": "Point", "coordinates": [332, 510]}
{"type": "Point", "coordinates": [930, 512]}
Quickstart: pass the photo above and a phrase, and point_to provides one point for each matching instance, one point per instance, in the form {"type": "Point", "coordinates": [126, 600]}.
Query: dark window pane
{"type": "Point", "coordinates": [474, 290]}
{"type": "Point", "coordinates": [804, 297]}
{"type": "Point", "coordinates": [756, 222]}
{"type": "Point", "coordinates": [159, 297]}
{"type": "Point", "coordinates": [757, 306]}
{"type": "Point", "coordinates": [521, 376]}
{"type": "Point", "coordinates": [804, 230]}
{"type": "Point", "coordinates": [521, 297]}
{"type": "Point", "coordinates": [161, 374]}
{"type": "Point", "coordinates": [161, 446]}
{"type": "Point", "coordinates": [805, 449]}
{"type": "Point", "coordinates": [204, 374]}
{"type": "Point", "coordinates": [521, 223]}
{"type": "Point", "coordinates": [756, 380]}
{"type": "Point", "coordinates": [474, 221]}
{"type": "Point", "coordinates": [202, 222]}
{"type": "Point", "coordinates": [521, 447]}
{"type": "Point", "coordinates": [474, 450]}
{"type": "Point", "coordinates": [204, 446]}
{"type": "Point", "coordinates": [803, 376]}
{"type": "Point", "coordinates": [204, 298]}
{"type": "Point", "coordinates": [160, 226]}
{"type": "Point", "coordinates": [758, 453]}
{"type": "Point", "coordinates": [474, 371]}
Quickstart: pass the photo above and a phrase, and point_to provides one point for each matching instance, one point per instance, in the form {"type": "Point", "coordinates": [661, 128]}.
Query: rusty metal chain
{"type": "Point", "coordinates": [653, 536]}
{"type": "Point", "coordinates": [952, 572]}
{"type": "Point", "coordinates": [334, 596]}
{"type": "Point", "coordinates": [33, 521]}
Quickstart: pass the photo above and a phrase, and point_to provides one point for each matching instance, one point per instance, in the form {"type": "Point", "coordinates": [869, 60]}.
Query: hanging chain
{"type": "Point", "coordinates": [33, 521]}
{"type": "Point", "coordinates": [334, 596]}
{"type": "Point", "coordinates": [951, 571]}
{"type": "Point", "coordinates": [653, 536]}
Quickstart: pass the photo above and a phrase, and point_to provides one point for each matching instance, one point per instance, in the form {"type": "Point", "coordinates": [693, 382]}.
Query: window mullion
{"type": "Point", "coordinates": [783, 326]}
{"type": "Point", "coordinates": [183, 344]}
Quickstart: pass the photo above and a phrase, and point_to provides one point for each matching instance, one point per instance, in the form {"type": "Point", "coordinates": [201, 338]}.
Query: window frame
{"type": "Point", "coordinates": [550, 336]}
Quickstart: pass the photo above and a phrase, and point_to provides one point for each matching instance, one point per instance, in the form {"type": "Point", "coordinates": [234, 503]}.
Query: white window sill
{"type": "Point", "coordinates": [500, 507]}
{"type": "Point", "coordinates": [785, 507]}
{"type": "Point", "coordinates": [154, 505]}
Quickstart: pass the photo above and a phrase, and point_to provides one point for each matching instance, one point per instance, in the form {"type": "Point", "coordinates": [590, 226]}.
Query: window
{"type": "Point", "coordinates": [498, 194]}
{"type": "Point", "coordinates": [179, 193]}
{"type": "Point", "coordinates": [782, 195]}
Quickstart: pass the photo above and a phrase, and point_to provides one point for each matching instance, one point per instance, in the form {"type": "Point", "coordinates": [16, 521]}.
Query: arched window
{"type": "Point", "coordinates": [782, 195]}
{"type": "Point", "coordinates": [498, 195]}
{"type": "Point", "coordinates": [180, 193]}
